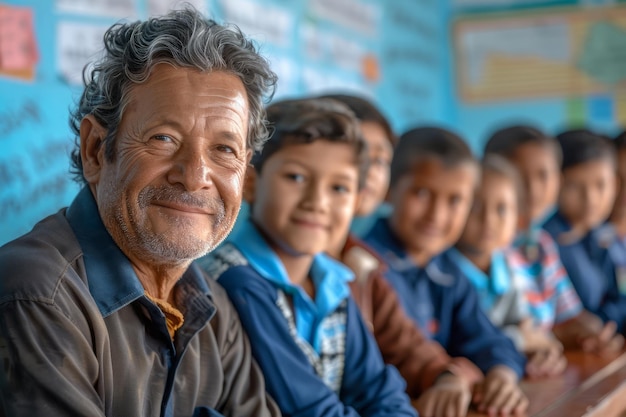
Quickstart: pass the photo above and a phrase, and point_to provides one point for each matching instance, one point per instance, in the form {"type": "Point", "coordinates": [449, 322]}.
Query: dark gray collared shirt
{"type": "Point", "coordinates": [78, 337]}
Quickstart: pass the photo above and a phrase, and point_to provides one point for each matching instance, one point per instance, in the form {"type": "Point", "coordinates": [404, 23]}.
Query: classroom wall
{"type": "Point", "coordinates": [406, 55]}
{"type": "Point", "coordinates": [388, 51]}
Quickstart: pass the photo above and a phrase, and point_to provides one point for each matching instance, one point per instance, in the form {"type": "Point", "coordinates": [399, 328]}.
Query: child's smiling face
{"type": "Point", "coordinates": [430, 206]}
{"type": "Point", "coordinates": [305, 196]}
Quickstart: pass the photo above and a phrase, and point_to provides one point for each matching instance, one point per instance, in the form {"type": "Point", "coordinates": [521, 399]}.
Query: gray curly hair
{"type": "Point", "coordinates": [183, 38]}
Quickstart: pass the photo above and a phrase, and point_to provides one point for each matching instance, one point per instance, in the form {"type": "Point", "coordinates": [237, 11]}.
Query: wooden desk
{"type": "Point", "coordinates": [591, 386]}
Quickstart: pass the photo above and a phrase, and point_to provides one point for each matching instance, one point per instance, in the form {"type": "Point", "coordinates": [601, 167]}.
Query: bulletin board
{"type": "Point", "coordinates": [388, 51]}
{"type": "Point", "coordinates": [550, 52]}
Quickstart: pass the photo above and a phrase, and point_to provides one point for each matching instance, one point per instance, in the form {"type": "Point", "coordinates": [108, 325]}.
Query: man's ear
{"type": "Point", "coordinates": [92, 136]}
{"type": "Point", "coordinates": [249, 185]}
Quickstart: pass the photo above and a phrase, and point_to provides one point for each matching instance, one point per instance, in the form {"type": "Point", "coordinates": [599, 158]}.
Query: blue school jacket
{"type": "Point", "coordinates": [256, 283]}
{"type": "Point", "coordinates": [595, 264]}
{"type": "Point", "coordinates": [442, 301]}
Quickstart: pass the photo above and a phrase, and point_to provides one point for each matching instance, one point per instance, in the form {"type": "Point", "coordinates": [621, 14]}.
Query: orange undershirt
{"type": "Point", "coordinates": [173, 317]}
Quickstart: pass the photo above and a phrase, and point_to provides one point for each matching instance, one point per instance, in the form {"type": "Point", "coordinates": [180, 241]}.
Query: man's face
{"type": "Point", "coordinates": [305, 196]}
{"type": "Point", "coordinates": [430, 206]}
{"type": "Point", "coordinates": [540, 171]}
{"type": "Point", "coordinates": [174, 188]}
{"type": "Point", "coordinates": [588, 193]}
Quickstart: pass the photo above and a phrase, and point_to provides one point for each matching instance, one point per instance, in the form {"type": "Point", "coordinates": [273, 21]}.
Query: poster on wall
{"type": "Point", "coordinates": [78, 44]}
{"type": "Point", "coordinates": [18, 46]}
{"type": "Point", "coordinates": [557, 53]}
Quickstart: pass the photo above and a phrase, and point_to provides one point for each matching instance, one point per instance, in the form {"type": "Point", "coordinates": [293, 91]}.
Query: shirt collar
{"type": "Point", "coordinates": [543, 219]}
{"type": "Point", "coordinates": [498, 279]}
{"type": "Point", "coordinates": [329, 276]}
{"type": "Point", "coordinates": [112, 280]}
{"type": "Point", "coordinates": [600, 237]}
{"type": "Point", "coordinates": [392, 250]}
{"type": "Point", "coordinates": [382, 234]}
{"type": "Point", "coordinates": [530, 237]}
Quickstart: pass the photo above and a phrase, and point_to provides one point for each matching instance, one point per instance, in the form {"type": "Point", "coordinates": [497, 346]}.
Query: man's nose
{"type": "Point", "coordinates": [192, 169]}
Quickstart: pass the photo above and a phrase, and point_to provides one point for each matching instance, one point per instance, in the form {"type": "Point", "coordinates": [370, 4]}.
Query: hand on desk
{"type": "Point", "coordinates": [544, 352]}
{"type": "Point", "coordinates": [587, 332]}
{"type": "Point", "coordinates": [603, 341]}
{"type": "Point", "coordinates": [546, 362]}
{"type": "Point", "coordinates": [535, 338]}
{"type": "Point", "coordinates": [500, 394]}
{"type": "Point", "coordinates": [449, 396]}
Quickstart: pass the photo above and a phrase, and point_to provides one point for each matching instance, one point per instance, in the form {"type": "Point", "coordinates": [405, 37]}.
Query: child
{"type": "Point", "coordinates": [586, 242]}
{"type": "Point", "coordinates": [552, 300]}
{"type": "Point", "coordinates": [433, 177]}
{"type": "Point", "coordinates": [435, 381]}
{"type": "Point", "coordinates": [317, 355]}
{"type": "Point", "coordinates": [481, 253]}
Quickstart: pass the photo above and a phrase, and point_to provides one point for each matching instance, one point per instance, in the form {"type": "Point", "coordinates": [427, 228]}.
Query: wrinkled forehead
{"type": "Point", "coordinates": [179, 89]}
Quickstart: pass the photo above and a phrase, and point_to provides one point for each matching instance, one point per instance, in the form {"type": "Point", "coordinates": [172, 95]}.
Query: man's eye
{"type": "Point", "coordinates": [225, 149]}
{"type": "Point", "coordinates": [162, 138]}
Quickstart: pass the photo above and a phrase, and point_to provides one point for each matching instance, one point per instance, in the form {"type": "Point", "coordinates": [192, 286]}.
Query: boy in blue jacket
{"type": "Point", "coordinates": [317, 355]}
{"type": "Point", "coordinates": [433, 178]}
{"type": "Point", "coordinates": [588, 245]}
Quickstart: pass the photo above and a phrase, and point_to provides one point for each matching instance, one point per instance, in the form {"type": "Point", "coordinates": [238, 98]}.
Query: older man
{"type": "Point", "coordinates": [102, 312]}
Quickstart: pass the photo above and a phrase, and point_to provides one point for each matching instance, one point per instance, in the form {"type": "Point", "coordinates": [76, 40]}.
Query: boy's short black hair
{"type": "Point", "coordinates": [428, 142]}
{"type": "Point", "coordinates": [499, 165]}
{"type": "Point", "coordinates": [365, 111]}
{"type": "Point", "coordinates": [620, 141]}
{"type": "Point", "coordinates": [507, 140]}
{"type": "Point", "coordinates": [581, 145]}
{"type": "Point", "coordinates": [298, 121]}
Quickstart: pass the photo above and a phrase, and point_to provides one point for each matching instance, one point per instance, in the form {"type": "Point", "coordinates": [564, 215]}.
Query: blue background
{"type": "Point", "coordinates": [317, 52]}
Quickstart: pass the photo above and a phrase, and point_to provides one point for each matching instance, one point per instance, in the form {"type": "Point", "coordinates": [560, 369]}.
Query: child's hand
{"type": "Point", "coordinates": [546, 362]}
{"type": "Point", "coordinates": [604, 341]}
{"type": "Point", "coordinates": [499, 393]}
{"type": "Point", "coordinates": [587, 332]}
{"type": "Point", "coordinates": [449, 396]}
{"type": "Point", "coordinates": [535, 338]}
